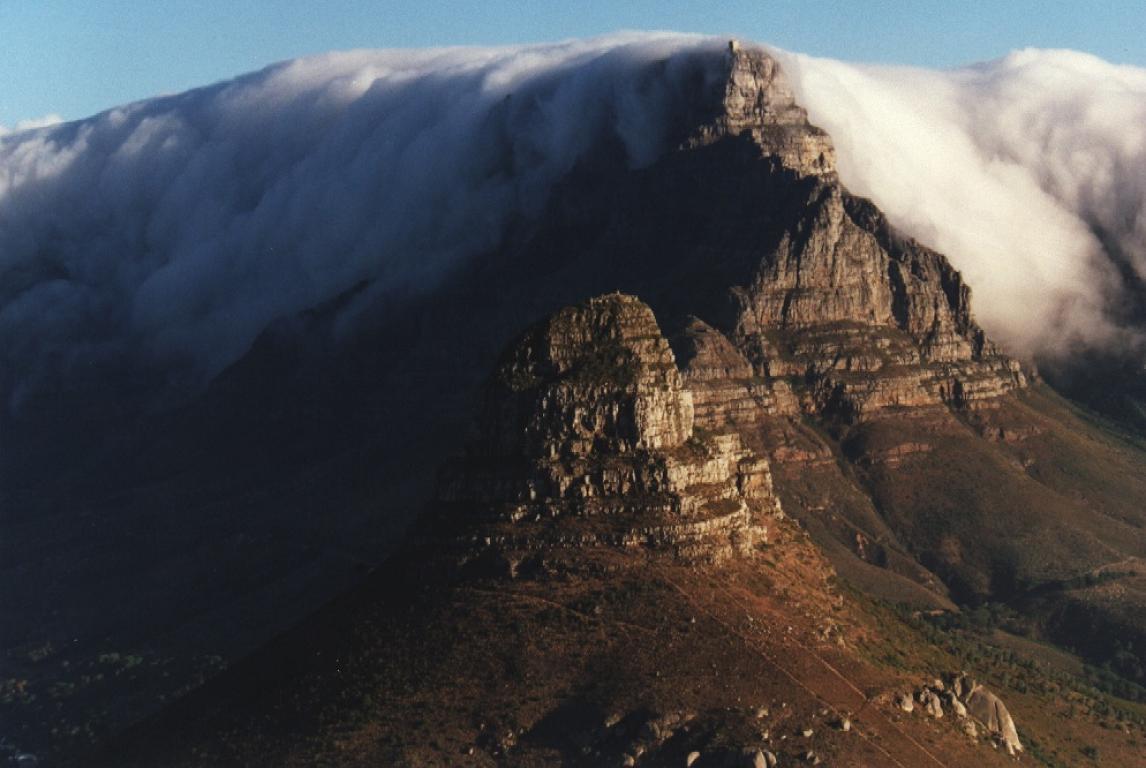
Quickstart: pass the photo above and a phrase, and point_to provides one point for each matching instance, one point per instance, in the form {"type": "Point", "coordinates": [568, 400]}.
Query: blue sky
{"type": "Point", "coordinates": [77, 57]}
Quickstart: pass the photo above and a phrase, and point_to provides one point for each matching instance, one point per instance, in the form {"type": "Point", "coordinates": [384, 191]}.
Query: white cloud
{"type": "Point", "coordinates": [32, 124]}
{"type": "Point", "coordinates": [174, 230]}
{"type": "Point", "coordinates": [1014, 168]}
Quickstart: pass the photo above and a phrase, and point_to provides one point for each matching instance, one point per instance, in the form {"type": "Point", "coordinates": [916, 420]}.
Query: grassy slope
{"type": "Point", "coordinates": [577, 669]}
{"type": "Point", "coordinates": [1030, 502]}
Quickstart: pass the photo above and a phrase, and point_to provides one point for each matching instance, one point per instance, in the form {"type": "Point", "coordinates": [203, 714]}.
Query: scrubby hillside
{"type": "Point", "coordinates": [601, 583]}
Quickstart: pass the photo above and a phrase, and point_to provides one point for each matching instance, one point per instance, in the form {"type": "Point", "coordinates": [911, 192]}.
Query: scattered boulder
{"type": "Point", "coordinates": [692, 758]}
{"type": "Point", "coordinates": [957, 707]}
{"type": "Point", "coordinates": [967, 699]}
{"type": "Point", "coordinates": [732, 757]}
{"type": "Point", "coordinates": [989, 710]}
{"type": "Point", "coordinates": [906, 702]}
{"type": "Point", "coordinates": [931, 702]}
{"type": "Point", "coordinates": [958, 686]}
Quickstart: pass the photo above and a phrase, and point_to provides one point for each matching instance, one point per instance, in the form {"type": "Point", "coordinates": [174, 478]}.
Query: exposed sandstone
{"type": "Point", "coordinates": [587, 440]}
{"type": "Point", "coordinates": [989, 710]}
{"type": "Point", "coordinates": [842, 305]}
{"type": "Point", "coordinates": [865, 320]}
{"type": "Point", "coordinates": [726, 390]}
{"type": "Point", "coordinates": [757, 100]}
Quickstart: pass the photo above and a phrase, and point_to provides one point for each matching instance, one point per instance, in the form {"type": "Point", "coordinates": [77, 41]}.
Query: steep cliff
{"type": "Point", "coordinates": [802, 352]}
{"type": "Point", "coordinates": [864, 318]}
{"type": "Point", "coordinates": [586, 440]}
{"type": "Point", "coordinates": [755, 99]}
{"type": "Point", "coordinates": [597, 583]}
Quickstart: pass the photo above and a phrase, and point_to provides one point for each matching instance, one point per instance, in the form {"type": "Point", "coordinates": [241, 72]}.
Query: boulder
{"type": "Point", "coordinates": [957, 707]}
{"type": "Point", "coordinates": [989, 710]}
{"type": "Point", "coordinates": [931, 702]}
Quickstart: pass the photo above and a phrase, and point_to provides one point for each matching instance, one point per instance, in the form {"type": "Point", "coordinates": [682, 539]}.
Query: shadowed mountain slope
{"type": "Point", "coordinates": [599, 582]}
{"type": "Point", "coordinates": [803, 352]}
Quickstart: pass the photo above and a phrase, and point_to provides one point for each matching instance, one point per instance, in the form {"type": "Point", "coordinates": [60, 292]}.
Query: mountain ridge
{"type": "Point", "coordinates": [793, 335]}
{"type": "Point", "coordinates": [913, 461]}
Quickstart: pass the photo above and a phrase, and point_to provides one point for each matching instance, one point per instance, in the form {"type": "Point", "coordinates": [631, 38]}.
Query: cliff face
{"type": "Point", "coordinates": [805, 331]}
{"type": "Point", "coordinates": [587, 440]}
{"type": "Point", "coordinates": [812, 361]}
{"type": "Point", "coordinates": [756, 100]}
{"type": "Point", "coordinates": [868, 319]}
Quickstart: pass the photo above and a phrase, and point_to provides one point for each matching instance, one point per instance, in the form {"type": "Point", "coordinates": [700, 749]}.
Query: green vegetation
{"type": "Point", "coordinates": [1058, 701]}
{"type": "Point", "coordinates": [985, 618]}
{"type": "Point", "coordinates": [73, 701]}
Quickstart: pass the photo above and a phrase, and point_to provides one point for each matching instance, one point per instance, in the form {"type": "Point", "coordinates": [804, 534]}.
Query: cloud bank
{"type": "Point", "coordinates": [175, 230]}
{"type": "Point", "coordinates": [33, 123]}
{"type": "Point", "coordinates": [1029, 172]}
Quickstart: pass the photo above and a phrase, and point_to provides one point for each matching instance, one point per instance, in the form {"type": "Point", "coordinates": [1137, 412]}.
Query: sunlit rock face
{"type": "Point", "coordinates": [870, 318]}
{"type": "Point", "coordinates": [587, 441]}
{"type": "Point", "coordinates": [595, 433]}
{"type": "Point", "coordinates": [757, 100]}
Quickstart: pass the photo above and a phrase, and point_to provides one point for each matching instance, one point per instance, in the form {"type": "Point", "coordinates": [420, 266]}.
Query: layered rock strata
{"type": "Point", "coordinates": [587, 440]}
{"type": "Point", "coordinates": [806, 304]}
{"type": "Point", "coordinates": [842, 306]}
{"type": "Point", "coordinates": [756, 100]}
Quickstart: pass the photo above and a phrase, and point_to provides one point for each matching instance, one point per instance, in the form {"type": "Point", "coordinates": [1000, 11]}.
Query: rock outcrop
{"type": "Point", "coordinates": [726, 390]}
{"type": "Point", "coordinates": [842, 306]}
{"type": "Point", "coordinates": [968, 698]}
{"type": "Point", "coordinates": [587, 440]}
{"type": "Point", "coordinates": [756, 100]}
{"type": "Point", "coordinates": [989, 710]}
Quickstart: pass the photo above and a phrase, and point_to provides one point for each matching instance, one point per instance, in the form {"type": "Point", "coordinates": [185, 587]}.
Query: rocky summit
{"type": "Point", "coordinates": [756, 100]}
{"type": "Point", "coordinates": [705, 464]}
{"type": "Point", "coordinates": [865, 318]}
{"type": "Point", "coordinates": [587, 440]}
{"type": "Point", "coordinates": [588, 513]}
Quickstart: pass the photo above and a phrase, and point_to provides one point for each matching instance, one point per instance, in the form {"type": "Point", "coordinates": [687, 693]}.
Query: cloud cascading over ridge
{"type": "Point", "coordinates": [1029, 172]}
{"type": "Point", "coordinates": [32, 124]}
{"type": "Point", "coordinates": [175, 230]}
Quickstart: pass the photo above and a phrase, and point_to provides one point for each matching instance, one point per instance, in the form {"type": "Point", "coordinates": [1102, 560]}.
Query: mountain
{"type": "Point", "coordinates": [588, 518]}
{"type": "Point", "coordinates": [753, 484]}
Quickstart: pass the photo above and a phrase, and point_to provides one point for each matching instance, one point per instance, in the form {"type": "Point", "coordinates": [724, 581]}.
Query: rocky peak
{"type": "Point", "coordinates": [593, 377]}
{"type": "Point", "coordinates": [869, 319]}
{"type": "Point", "coordinates": [587, 442]}
{"type": "Point", "coordinates": [825, 298]}
{"type": "Point", "coordinates": [756, 101]}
